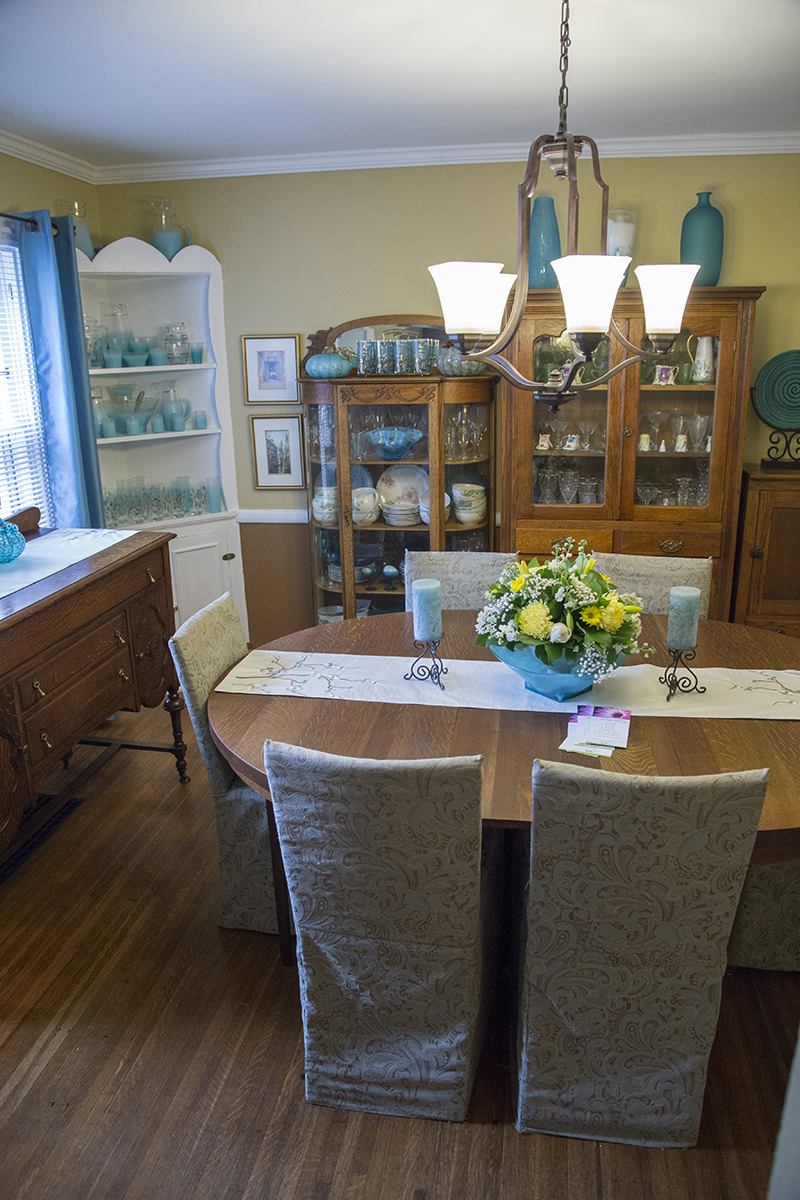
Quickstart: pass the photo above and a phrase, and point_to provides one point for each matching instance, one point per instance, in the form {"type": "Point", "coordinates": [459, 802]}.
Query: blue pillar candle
{"type": "Point", "coordinates": [684, 609]}
{"type": "Point", "coordinates": [426, 605]}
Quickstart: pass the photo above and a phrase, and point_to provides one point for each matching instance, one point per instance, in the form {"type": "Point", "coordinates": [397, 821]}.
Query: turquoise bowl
{"type": "Point", "coordinates": [556, 681]}
{"type": "Point", "coordinates": [393, 443]}
{"type": "Point", "coordinates": [12, 542]}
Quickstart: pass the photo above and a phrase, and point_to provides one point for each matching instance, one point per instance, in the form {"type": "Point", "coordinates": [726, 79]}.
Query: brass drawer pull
{"type": "Point", "coordinates": [22, 749]}
{"type": "Point", "coordinates": [124, 676]}
{"type": "Point", "coordinates": [150, 575]}
{"type": "Point", "coordinates": [44, 738]}
{"type": "Point", "coordinates": [38, 688]}
{"type": "Point", "coordinates": [671, 546]}
{"type": "Point", "coordinates": [119, 637]}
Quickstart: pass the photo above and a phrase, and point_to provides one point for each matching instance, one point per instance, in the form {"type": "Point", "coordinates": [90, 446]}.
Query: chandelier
{"type": "Point", "coordinates": [474, 295]}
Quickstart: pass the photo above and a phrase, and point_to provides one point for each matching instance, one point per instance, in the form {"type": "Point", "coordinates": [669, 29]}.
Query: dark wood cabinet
{"type": "Point", "coordinates": [75, 647]}
{"type": "Point", "coordinates": [767, 586]}
{"type": "Point", "coordinates": [645, 463]}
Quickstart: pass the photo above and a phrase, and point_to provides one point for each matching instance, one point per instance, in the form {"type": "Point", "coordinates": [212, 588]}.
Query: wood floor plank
{"type": "Point", "coordinates": [145, 1053]}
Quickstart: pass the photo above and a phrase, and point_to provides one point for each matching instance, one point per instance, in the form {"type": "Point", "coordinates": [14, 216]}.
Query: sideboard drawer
{"type": "Point", "coordinates": [539, 541]}
{"type": "Point", "coordinates": [661, 540]}
{"type": "Point", "coordinates": [54, 727]}
{"type": "Point", "coordinates": [57, 669]}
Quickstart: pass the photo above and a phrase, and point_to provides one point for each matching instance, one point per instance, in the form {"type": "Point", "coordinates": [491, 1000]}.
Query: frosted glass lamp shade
{"type": "Point", "coordinates": [665, 290]}
{"type": "Point", "coordinates": [473, 295]}
{"type": "Point", "coordinates": [589, 284]}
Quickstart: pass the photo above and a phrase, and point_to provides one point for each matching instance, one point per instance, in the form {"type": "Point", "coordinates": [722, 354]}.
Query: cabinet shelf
{"type": "Point", "coordinates": [122, 439]}
{"type": "Point", "coordinates": [110, 372]}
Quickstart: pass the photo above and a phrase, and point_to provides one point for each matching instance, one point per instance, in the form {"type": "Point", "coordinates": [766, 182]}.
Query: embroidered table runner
{"type": "Point", "coordinates": [53, 552]}
{"type": "Point", "coordinates": [761, 694]}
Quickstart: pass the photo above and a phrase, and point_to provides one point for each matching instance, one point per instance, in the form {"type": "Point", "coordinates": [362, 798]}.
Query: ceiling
{"type": "Point", "coordinates": [115, 90]}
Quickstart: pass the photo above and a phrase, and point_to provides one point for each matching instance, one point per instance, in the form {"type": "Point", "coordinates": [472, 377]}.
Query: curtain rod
{"type": "Point", "coordinates": [31, 224]}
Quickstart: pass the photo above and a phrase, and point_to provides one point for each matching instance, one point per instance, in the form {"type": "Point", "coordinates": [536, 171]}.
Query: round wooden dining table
{"type": "Point", "coordinates": [510, 740]}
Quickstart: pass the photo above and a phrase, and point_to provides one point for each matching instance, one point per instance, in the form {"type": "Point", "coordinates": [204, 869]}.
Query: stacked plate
{"type": "Point", "coordinates": [399, 491]}
{"type": "Point", "coordinates": [359, 573]}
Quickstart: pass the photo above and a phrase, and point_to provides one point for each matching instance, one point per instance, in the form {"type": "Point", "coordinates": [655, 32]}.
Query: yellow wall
{"type": "Point", "coordinates": [304, 252]}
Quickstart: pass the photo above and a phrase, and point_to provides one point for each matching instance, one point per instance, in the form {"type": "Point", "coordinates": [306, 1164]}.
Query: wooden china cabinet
{"type": "Point", "coordinates": [648, 463]}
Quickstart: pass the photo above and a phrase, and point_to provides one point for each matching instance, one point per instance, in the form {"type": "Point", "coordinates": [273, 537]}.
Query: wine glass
{"type": "Point", "coordinates": [549, 485]}
{"type": "Point", "coordinates": [698, 427]}
{"type": "Point", "coordinates": [586, 429]}
{"type": "Point", "coordinates": [655, 420]}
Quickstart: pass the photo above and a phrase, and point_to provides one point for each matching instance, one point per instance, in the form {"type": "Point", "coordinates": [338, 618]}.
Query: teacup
{"type": "Point", "coordinates": [468, 495]}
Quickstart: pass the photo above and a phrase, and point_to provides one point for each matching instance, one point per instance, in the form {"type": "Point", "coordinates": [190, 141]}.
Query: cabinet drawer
{"type": "Point", "coordinates": [78, 656]}
{"type": "Point", "coordinates": [63, 720]}
{"type": "Point", "coordinates": [540, 541]}
{"type": "Point", "coordinates": [135, 577]}
{"type": "Point", "coordinates": [689, 543]}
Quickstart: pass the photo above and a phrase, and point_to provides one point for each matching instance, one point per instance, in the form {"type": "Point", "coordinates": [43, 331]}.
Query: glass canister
{"type": "Point", "coordinates": [176, 343]}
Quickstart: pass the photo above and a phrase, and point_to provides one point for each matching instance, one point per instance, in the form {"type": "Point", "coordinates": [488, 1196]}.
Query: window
{"type": "Point", "coordinates": [24, 475]}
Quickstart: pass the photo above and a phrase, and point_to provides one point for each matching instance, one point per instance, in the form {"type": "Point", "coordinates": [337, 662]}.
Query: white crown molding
{"type": "Point", "coordinates": [692, 145]}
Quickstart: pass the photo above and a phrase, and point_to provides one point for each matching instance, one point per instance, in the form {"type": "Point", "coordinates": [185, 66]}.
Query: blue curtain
{"type": "Point", "coordinates": [53, 297]}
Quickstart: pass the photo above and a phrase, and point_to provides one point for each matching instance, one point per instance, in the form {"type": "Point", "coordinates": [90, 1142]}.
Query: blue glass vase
{"type": "Point", "coordinates": [545, 244]}
{"type": "Point", "coordinates": [702, 238]}
{"type": "Point", "coordinates": [557, 680]}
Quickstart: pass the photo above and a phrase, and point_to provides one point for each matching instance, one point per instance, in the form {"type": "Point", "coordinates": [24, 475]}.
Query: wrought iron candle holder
{"type": "Point", "coordinates": [676, 682]}
{"type": "Point", "coordinates": [432, 670]}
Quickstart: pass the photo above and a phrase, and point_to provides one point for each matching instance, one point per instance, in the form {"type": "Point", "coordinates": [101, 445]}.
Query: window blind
{"type": "Point", "coordinates": [24, 476]}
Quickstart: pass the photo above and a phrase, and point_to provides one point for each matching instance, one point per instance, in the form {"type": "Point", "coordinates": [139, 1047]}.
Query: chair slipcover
{"type": "Point", "coordinates": [463, 574]}
{"type": "Point", "coordinates": [204, 648]}
{"type": "Point", "coordinates": [383, 864]}
{"type": "Point", "coordinates": [652, 577]}
{"type": "Point", "coordinates": [766, 931]}
{"type": "Point", "coordinates": [633, 888]}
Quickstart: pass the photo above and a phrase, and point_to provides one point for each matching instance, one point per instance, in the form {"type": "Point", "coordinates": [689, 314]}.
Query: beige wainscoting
{"type": "Point", "coordinates": [276, 560]}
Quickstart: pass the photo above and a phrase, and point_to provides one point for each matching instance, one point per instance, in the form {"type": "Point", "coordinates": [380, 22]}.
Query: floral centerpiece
{"type": "Point", "coordinates": [561, 624]}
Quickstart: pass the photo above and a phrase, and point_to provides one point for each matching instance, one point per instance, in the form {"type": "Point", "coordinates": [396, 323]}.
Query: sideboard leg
{"type": "Point", "coordinates": [174, 705]}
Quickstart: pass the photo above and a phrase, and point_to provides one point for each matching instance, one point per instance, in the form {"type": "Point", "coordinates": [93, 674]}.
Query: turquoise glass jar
{"type": "Point", "coordinates": [702, 240]}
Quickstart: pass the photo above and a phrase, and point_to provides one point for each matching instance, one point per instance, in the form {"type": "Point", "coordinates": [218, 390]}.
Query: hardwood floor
{"type": "Point", "coordinates": [146, 1054]}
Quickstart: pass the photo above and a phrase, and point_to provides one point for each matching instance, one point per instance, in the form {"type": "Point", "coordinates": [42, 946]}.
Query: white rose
{"type": "Point", "coordinates": [560, 633]}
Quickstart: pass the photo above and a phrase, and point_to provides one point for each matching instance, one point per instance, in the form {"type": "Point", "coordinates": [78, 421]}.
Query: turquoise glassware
{"type": "Point", "coordinates": [702, 239]}
{"type": "Point", "coordinates": [12, 542]}
{"type": "Point", "coordinates": [328, 366]}
{"type": "Point", "coordinates": [545, 244]}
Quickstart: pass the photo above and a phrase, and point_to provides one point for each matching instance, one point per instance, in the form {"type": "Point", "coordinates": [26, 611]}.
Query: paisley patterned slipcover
{"type": "Point", "coordinates": [463, 574]}
{"type": "Point", "coordinates": [766, 932]}
{"type": "Point", "coordinates": [383, 863]}
{"type": "Point", "coordinates": [652, 577]}
{"type": "Point", "coordinates": [203, 648]}
{"type": "Point", "coordinates": [633, 888]}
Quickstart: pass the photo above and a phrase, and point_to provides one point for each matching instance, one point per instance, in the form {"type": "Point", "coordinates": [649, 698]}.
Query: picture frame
{"type": "Point", "coordinates": [278, 452]}
{"type": "Point", "coordinates": [271, 365]}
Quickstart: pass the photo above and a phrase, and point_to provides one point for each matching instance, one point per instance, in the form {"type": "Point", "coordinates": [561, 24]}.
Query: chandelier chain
{"type": "Point", "coordinates": [563, 94]}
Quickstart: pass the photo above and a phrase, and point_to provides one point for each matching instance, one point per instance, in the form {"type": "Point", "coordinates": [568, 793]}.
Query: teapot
{"type": "Point", "coordinates": [174, 410]}
{"type": "Point", "coordinates": [168, 236]}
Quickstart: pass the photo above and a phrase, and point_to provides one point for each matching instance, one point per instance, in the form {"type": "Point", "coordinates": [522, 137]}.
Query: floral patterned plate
{"type": "Point", "coordinates": [402, 484]}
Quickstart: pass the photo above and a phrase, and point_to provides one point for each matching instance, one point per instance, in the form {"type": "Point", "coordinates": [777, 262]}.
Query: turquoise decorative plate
{"type": "Point", "coordinates": [776, 395]}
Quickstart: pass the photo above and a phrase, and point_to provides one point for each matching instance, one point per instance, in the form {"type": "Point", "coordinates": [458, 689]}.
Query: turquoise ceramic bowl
{"type": "Point", "coordinates": [557, 680]}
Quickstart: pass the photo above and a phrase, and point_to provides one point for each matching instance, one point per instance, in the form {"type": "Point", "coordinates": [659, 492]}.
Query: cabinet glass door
{"type": "Point", "coordinates": [468, 444]}
{"type": "Point", "coordinates": [569, 447]}
{"type": "Point", "coordinates": [675, 424]}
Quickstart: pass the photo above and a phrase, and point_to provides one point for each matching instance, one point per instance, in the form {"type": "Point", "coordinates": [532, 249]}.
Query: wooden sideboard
{"type": "Point", "coordinates": [75, 647]}
{"type": "Point", "coordinates": [767, 584]}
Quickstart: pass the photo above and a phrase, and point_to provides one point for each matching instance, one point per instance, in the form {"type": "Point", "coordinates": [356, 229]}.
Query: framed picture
{"type": "Point", "coordinates": [278, 452]}
{"type": "Point", "coordinates": [271, 365]}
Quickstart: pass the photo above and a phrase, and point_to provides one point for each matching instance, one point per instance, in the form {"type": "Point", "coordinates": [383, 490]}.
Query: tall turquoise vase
{"type": "Point", "coordinates": [702, 238]}
{"type": "Point", "coordinates": [545, 244]}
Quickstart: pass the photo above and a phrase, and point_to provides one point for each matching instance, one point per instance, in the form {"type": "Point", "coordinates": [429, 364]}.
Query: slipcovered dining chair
{"type": "Point", "coordinates": [204, 648]}
{"type": "Point", "coordinates": [634, 882]}
{"type": "Point", "coordinates": [383, 864]}
{"type": "Point", "coordinates": [766, 932]}
{"type": "Point", "coordinates": [651, 577]}
{"type": "Point", "coordinates": [463, 574]}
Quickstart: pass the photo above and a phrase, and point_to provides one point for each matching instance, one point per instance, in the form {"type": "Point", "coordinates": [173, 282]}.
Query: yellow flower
{"type": "Point", "coordinates": [612, 617]}
{"type": "Point", "coordinates": [518, 584]}
{"type": "Point", "coordinates": [534, 619]}
{"type": "Point", "coordinates": [589, 565]}
{"type": "Point", "coordinates": [591, 615]}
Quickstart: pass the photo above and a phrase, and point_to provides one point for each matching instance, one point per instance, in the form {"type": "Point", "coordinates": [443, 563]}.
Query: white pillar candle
{"type": "Point", "coordinates": [426, 605]}
{"type": "Point", "coordinates": [684, 609]}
